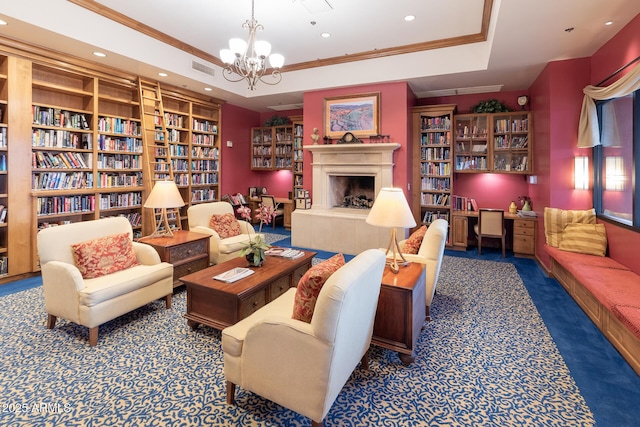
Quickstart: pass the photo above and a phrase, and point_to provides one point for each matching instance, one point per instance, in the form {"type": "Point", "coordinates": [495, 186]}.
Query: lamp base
{"type": "Point", "coordinates": [162, 226]}
{"type": "Point", "coordinates": [393, 246]}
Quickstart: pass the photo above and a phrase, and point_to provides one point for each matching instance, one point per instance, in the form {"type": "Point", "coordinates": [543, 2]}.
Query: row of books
{"type": "Point", "coordinates": [3, 137]}
{"type": "Point", "coordinates": [430, 216]}
{"type": "Point", "coordinates": [119, 161]}
{"type": "Point", "coordinates": [120, 180]}
{"type": "Point", "coordinates": [205, 126]}
{"type": "Point", "coordinates": [3, 162]}
{"type": "Point", "coordinates": [120, 200]}
{"type": "Point", "coordinates": [203, 139]}
{"type": "Point", "coordinates": [3, 214]}
{"type": "Point", "coordinates": [437, 184]}
{"type": "Point", "coordinates": [435, 153]}
{"type": "Point", "coordinates": [203, 195]}
{"type": "Point", "coordinates": [61, 180]}
{"type": "Point", "coordinates": [47, 116]}
{"type": "Point", "coordinates": [428, 123]}
{"type": "Point", "coordinates": [178, 150]}
{"type": "Point", "coordinates": [118, 125]}
{"type": "Point", "coordinates": [443, 168]}
{"type": "Point", "coordinates": [435, 138]}
{"type": "Point", "coordinates": [514, 125]}
{"type": "Point", "coordinates": [204, 178]}
{"type": "Point", "coordinates": [471, 163]}
{"type": "Point", "coordinates": [108, 143]}
{"type": "Point", "coordinates": [65, 204]}
{"type": "Point", "coordinates": [515, 142]}
{"type": "Point", "coordinates": [205, 152]}
{"type": "Point", "coordinates": [510, 163]}
{"type": "Point", "coordinates": [61, 139]}
{"type": "Point", "coordinates": [204, 165]}
{"type": "Point", "coordinates": [462, 203]}
{"type": "Point", "coordinates": [4, 265]}
{"type": "Point", "coordinates": [61, 160]}
{"type": "Point", "coordinates": [428, 199]}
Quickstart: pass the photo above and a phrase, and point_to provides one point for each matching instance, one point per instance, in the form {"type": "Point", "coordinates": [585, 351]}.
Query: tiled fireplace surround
{"type": "Point", "coordinates": [325, 227]}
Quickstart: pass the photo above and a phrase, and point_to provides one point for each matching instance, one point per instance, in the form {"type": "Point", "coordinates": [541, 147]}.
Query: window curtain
{"type": "Point", "coordinates": [588, 129]}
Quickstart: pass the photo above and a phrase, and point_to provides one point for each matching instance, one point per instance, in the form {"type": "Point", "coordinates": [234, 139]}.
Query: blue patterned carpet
{"type": "Point", "coordinates": [486, 359]}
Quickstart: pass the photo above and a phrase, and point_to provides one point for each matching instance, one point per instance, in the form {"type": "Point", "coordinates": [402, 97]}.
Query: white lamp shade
{"type": "Point", "coordinates": [165, 194]}
{"type": "Point", "coordinates": [227, 56]}
{"type": "Point", "coordinates": [238, 46]}
{"type": "Point", "coordinates": [581, 173]}
{"type": "Point", "coordinates": [262, 48]}
{"type": "Point", "coordinates": [276, 60]}
{"type": "Point", "coordinates": [391, 209]}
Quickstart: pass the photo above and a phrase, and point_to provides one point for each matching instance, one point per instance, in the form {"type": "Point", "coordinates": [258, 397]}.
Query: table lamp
{"type": "Point", "coordinates": [164, 195]}
{"type": "Point", "coordinates": [391, 209]}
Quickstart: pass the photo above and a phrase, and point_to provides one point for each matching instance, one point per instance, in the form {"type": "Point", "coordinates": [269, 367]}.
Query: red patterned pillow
{"type": "Point", "coordinates": [412, 244]}
{"type": "Point", "coordinates": [310, 285]}
{"type": "Point", "coordinates": [226, 225]}
{"type": "Point", "coordinates": [105, 255]}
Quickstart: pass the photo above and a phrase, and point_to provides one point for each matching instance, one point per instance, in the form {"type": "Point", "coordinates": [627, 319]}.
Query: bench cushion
{"type": "Point", "coordinates": [609, 286]}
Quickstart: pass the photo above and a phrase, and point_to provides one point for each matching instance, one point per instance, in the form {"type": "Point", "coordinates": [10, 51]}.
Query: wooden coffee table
{"type": "Point", "coordinates": [401, 311]}
{"type": "Point", "coordinates": [219, 304]}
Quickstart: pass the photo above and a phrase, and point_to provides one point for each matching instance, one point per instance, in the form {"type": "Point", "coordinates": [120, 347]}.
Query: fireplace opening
{"type": "Point", "coordinates": [352, 191]}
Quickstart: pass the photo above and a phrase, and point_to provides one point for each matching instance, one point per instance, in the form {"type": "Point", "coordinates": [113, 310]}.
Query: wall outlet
{"type": "Point", "coordinates": [229, 143]}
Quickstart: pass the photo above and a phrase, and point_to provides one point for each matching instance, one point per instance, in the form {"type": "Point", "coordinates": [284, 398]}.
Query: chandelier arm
{"type": "Point", "coordinates": [275, 74]}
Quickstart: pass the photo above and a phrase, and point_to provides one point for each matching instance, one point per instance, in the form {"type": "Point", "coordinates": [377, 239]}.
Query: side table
{"type": "Point", "coordinates": [186, 250]}
{"type": "Point", "coordinates": [401, 311]}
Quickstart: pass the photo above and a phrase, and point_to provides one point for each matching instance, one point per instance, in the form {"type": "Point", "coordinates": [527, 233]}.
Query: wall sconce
{"type": "Point", "coordinates": [581, 173]}
{"type": "Point", "coordinates": [614, 173]}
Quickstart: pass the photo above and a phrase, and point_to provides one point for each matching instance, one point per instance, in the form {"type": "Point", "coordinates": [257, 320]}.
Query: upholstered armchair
{"type": "Point", "coordinates": [93, 272]}
{"type": "Point", "coordinates": [303, 366]}
{"type": "Point", "coordinates": [221, 247]}
{"type": "Point", "coordinates": [430, 253]}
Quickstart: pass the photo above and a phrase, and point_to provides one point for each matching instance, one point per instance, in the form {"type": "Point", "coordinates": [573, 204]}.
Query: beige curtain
{"type": "Point", "coordinates": [588, 129]}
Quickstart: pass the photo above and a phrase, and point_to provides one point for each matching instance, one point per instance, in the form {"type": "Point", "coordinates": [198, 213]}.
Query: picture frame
{"type": "Point", "coordinates": [253, 192]}
{"type": "Point", "coordinates": [357, 114]}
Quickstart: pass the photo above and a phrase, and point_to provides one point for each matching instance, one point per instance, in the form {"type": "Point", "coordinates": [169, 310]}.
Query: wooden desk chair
{"type": "Point", "coordinates": [268, 200]}
{"type": "Point", "coordinates": [491, 225]}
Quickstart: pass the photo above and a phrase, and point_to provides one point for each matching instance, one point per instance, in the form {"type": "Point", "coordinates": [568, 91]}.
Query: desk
{"type": "Point", "coordinates": [287, 205]}
{"type": "Point", "coordinates": [521, 231]}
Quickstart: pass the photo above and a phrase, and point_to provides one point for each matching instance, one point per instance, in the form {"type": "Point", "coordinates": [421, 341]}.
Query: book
{"type": "Point", "coordinates": [285, 253]}
{"type": "Point", "coordinates": [234, 274]}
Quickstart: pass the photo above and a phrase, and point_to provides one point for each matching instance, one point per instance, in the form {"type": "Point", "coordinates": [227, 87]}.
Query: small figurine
{"type": "Point", "coordinates": [315, 136]}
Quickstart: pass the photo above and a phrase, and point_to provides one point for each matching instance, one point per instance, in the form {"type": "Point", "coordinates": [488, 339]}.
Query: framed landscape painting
{"type": "Point", "coordinates": [358, 114]}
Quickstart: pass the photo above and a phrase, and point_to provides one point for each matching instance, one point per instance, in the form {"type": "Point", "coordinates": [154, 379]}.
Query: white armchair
{"type": "Point", "coordinates": [303, 366]}
{"type": "Point", "coordinates": [220, 250]}
{"type": "Point", "coordinates": [430, 254]}
{"type": "Point", "coordinates": [94, 301]}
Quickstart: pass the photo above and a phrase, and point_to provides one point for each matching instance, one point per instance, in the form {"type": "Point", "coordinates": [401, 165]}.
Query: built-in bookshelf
{"type": "Point", "coordinates": [272, 148]}
{"type": "Point", "coordinates": [471, 142]}
{"type": "Point", "coordinates": [495, 142]}
{"type": "Point", "coordinates": [4, 177]}
{"type": "Point", "coordinates": [298, 154]}
{"type": "Point", "coordinates": [119, 153]}
{"type": "Point", "coordinates": [433, 184]}
{"type": "Point", "coordinates": [205, 153]}
{"type": "Point", "coordinates": [63, 123]}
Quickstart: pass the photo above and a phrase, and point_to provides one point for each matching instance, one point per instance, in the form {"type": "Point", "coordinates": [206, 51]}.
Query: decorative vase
{"type": "Point", "coordinates": [513, 209]}
{"type": "Point", "coordinates": [250, 260]}
{"type": "Point", "coordinates": [527, 206]}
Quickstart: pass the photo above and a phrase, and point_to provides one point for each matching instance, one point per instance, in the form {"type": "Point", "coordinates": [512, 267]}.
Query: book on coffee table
{"type": "Point", "coordinates": [285, 253]}
{"type": "Point", "coordinates": [234, 274]}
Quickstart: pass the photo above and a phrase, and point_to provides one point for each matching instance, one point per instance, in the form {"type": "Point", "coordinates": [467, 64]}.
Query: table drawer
{"type": "Point", "coordinates": [188, 250]}
{"type": "Point", "coordinates": [189, 267]}
{"type": "Point", "coordinates": [252, 303]}
{"type": "Point", "coordinates": [524, 245]}
{"type": "Point", "coordinates": [298, 273]}
{"type": "Point", "coordinates": [524, 223]}
{"type": "Point", "coordinates": [279, 287]}
{"type": "Point", "coordinates": [523, 231]}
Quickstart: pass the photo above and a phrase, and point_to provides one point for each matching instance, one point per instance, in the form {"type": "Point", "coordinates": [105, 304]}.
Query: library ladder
{"type": "Point", "coordinates": [156, 143]}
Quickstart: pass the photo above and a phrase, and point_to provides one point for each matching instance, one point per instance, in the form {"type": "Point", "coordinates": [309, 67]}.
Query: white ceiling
{"type": "Point", "coordinates": [523, 36]}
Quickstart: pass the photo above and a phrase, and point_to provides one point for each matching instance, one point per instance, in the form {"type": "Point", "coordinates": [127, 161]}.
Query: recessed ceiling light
{"type": "Point", "coordinates": [100, 54]}
{"type": "Point", "coordinates": [325, 35]}
{"type": "Point", "coordinates": [608, 23]}
{"type": "Point", "coordinates": [163, 74]}
{"type": "Point", "coordinates": [3, 22]}
{"type": "Point", "coordinates": [208, 89]}
{"type": "Point", "coordinates": [409, 18]}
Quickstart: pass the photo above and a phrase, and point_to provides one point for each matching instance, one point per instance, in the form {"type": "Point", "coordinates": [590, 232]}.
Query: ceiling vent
{"type": "Point", "coordinates": [202, 68]}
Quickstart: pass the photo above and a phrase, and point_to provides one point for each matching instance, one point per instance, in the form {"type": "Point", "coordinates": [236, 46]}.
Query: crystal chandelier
{"type": "Point", "coordinates": [247, 59]}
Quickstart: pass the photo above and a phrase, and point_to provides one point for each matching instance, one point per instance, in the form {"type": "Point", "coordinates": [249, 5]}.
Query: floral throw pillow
{"type": "Point", "coordinates": [105, 255]}
{"type": "Point", "coordinates": [310, 285]}
{"type": "Point", "coordinates": [226, 225]}
{"type": "Point", "coordinates": [412, 244]}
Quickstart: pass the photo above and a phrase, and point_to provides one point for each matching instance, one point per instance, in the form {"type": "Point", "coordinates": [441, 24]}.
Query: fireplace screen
{"type": "Point", "coordinates": [352, 191]}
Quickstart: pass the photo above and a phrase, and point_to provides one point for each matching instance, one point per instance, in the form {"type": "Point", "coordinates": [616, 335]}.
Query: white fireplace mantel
{"type": "Point", "coordinates": [333, 229]}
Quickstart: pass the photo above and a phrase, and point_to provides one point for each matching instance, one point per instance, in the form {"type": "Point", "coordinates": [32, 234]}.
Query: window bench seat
{"type": "Point", "coordinates": [608, 292]}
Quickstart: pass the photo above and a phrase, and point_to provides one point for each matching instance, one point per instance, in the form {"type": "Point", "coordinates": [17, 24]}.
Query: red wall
{"type": "Point", "coordinates": [395, 120]}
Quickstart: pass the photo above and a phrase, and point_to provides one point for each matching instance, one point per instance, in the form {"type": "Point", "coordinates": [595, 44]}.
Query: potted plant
{"type": "Point", "coordinates": [254, 251]}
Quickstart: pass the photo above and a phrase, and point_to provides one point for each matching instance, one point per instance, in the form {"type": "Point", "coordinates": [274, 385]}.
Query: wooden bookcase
{"type": "Point", "coordinates": [272, 148]}
{"type": "Point", "coordinates": [496, 142]}
{"type": "Point", "coordinates": [71, 150]}
{"type": "Point", "coordinates": [433, 173]}
{"type": "Point", "coordinates": [298, 154]}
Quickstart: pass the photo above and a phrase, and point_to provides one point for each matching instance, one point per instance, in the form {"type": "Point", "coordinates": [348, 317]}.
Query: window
{"type": "Point", "coordinates": [616, 171]}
